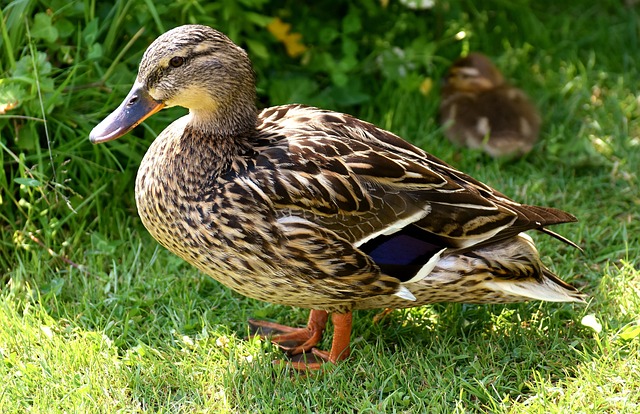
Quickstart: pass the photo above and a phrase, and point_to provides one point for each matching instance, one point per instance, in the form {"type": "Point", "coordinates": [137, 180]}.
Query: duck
{"type": "Point", "coordinates": [480, 110]}
{"type": "Point", "coordinates": [307, 207]}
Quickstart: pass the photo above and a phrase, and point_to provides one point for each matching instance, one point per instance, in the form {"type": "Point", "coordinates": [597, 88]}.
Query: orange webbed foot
{"type": "Point", "coordinates": [305, 339]}
{"type": "Point", "coordinates": [293, 340]}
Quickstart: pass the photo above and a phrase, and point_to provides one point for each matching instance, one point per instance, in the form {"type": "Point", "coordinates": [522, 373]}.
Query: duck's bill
{"type": "Point", "coordinates": [136, 107]}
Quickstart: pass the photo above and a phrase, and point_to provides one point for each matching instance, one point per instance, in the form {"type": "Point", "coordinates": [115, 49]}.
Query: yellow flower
{"type": "Point", "coordinates": [425, 86]}
{"type": "Point", "coordinates": [292, 41]}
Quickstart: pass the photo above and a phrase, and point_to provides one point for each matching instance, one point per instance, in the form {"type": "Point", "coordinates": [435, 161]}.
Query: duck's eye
{"type": "Point", "coordinates": [176, 61]}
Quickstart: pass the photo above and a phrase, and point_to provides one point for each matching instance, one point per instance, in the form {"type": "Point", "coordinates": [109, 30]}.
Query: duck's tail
{"type": "Point", "coordinates": [507, 271]}
{"type": "Point", "coordinates": [549, 288]}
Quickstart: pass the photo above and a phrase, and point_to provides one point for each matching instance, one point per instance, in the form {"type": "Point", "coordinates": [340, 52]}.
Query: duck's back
{"type": "Point", "coordinates": [340, 168]}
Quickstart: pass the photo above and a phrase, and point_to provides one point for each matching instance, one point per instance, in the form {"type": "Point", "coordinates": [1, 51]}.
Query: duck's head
{"type": "Point", "coordinates": [472, 73]}
{"type": "Point", "coordinates": [192, 66]}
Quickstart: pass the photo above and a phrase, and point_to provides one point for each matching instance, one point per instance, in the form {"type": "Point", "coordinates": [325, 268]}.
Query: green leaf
{"type": "Point", "coordinates": [327, 35]}
{"type": "Point", "coordinates": [24, 67]}
{"type": "Point", "coordinates": [43, 29]}
{"type": "Point", "coordinates": [54, 287]}
{"type": "Point", "coordinates": [630, 332]}
{"type": "Point", "coordinates": [27, 182]}
{"type": "Point", "coordinates": [95, 51]}
{"type": "Point", "coordinates": [102, 245]}
{"type": "Point", "coordinates": [257, 49]}
{"type": "Point", "coordinates": [349, 95]}
{"type": "Point", "coordinates": [339, 78]}
{"type": "Point", "coordinates": [90, 32]}
{"type": "Point", "coordinates": [11, 94]}
{"type": "Point", "coordinates": [349, 47]}
{"type": "Point", "coordinates": [258, 19]}
{"type": "Point", "coordinates": [292, 89]}
{"type": "Point", "coordinates": [27, 139]}
{"type": "Point", "coordinates": [351, 22]}
{"type": "Point", "coordinates": [65, 28]}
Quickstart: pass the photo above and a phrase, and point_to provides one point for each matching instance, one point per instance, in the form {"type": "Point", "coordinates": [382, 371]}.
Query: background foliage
{"type": "Point", "coordinates": [93, 316]}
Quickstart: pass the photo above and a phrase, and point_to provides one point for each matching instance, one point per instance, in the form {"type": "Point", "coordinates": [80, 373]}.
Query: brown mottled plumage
{"type": "Point", "coordinates": [312, 208]}
{"type": "Point", "coordinates": [480, 110]}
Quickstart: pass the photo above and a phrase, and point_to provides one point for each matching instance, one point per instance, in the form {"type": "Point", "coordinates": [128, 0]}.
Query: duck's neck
{"type": "Point", "coordinates": [224, 131]}
{"type": "Point", "coordinates": [218, 137]}
{"type": "Point", "coordinates": [230, 120]}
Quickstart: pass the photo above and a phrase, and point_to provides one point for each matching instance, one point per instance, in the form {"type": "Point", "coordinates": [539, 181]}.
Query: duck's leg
{"type": "Point", "coordinates": [293, 340]}
{"type": "Point", "coordinates": [339, 346]}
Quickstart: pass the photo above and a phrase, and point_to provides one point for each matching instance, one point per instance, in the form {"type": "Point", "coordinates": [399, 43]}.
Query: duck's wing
{"type": "Point", "coordinates": [364, 182]}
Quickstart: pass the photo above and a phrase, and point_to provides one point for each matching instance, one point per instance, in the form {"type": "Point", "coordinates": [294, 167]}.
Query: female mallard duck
{"type": "Point", "coordinates": [480, 110]}
{"type": "Point", "coordinates": [312, 208]}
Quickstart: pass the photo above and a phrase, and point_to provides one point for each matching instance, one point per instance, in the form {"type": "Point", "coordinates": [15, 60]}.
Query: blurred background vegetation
{"type": "Point", "coordinates": [71, 241]}
{"type": "Point", "coordinates": [66, 63]}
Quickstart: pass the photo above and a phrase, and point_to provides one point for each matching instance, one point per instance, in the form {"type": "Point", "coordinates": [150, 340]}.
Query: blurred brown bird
{"type": "Point", "coordinates": [480, 110]}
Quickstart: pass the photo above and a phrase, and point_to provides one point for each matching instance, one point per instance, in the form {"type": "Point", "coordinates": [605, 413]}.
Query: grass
{"type": "Point", "coordinates": [95, 317]}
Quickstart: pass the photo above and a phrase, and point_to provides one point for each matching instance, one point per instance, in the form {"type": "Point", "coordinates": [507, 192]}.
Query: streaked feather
{"type": "Point", "coordinates": [313, 208]}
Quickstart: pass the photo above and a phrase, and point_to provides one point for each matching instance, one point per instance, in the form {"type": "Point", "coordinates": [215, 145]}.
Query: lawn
{"type": "Point", "coordinates": [96, 317]}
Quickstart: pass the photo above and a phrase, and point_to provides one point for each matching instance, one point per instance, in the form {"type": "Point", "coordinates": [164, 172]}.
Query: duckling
{"type": "Point", "coordinates": [480, 110]}
{"type": "Point", "coordinates": [306, 207]}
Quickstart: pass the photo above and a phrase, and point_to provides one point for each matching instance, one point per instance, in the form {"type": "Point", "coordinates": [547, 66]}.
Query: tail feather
{"type": "Point", "coordinates": [550, 288]}
{"type": "Point", "coordinates": [543, 216]}
{"type": "Point", "coordinates": [560, 237]}
{"type": "Point", "coordinates": [510, 268]}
